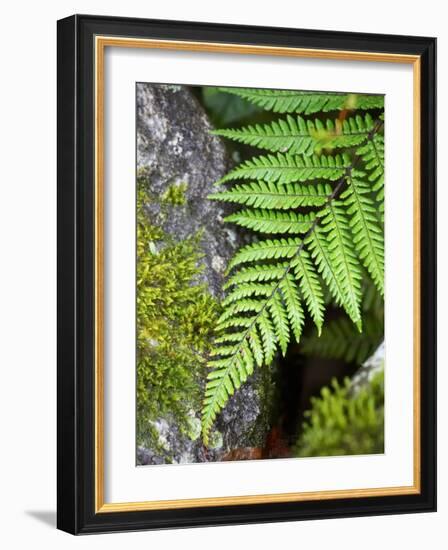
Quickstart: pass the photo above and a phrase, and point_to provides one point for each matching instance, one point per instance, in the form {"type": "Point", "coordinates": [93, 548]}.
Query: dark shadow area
{"type": "Point", "coordinates": [48, 517]}
{"type": "Point", "coordinates": [299, 378]}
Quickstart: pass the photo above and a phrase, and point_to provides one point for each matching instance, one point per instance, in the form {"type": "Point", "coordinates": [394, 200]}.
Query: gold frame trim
{"type": "Point", "coordinates": [101, 42]}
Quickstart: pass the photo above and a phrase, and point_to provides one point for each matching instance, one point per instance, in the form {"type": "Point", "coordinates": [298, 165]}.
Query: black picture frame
{"type": "Point", "coordinates": [76, 255]}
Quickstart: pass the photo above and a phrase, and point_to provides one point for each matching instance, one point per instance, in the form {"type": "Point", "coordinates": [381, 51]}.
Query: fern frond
{"type": "Point", "coordinates": [292, 135]}
{"type": "Point", "coordinates": [256, 273]}
{"type": "Point", "coordinates": [341, 340]}
{"type": "Point", "coordinates": [294, 308]}
{"type": "Point", "coordinates": [348, 133]}
{"type": "Point", "coordinates": [326, 206]}
{"type": "Point", "coordinates": [268, 221]}
{"type": "Point", "coordinates": [285, 101]}
{"type": "Point", "coordinates": [229, 337]}
{"type": "Point", "coordinates": [267, 332]}
{"type": "Point", "coordinates": [285, 168]}
{"type": "Point", "coordinates": [295, 135]}
{"type": "Point", "coordinates": [266, 250]}
{"type": "Point", "coordinates": [248, 289]}
{"type": "Point", "coordinates": [242, 306]}
{"type": "Point", "coordinates": [367, 235]}
{"type": "Point", "coordinates": [343, 261]}
{"type": "Point", "coordinates": [280, 321]}
{"type": "Point", "coordinates": [372, 153]}
{"type": "Point", "coordinates": [268, 318]}
{"type": "Point", "coordinates": [310, 286]}
{"type": "Point", "coordinates": [256, 346]}
{"type": "Point", "coordinates": [262, 194]}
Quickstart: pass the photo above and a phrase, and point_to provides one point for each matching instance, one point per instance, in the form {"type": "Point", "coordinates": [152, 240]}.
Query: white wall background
{"type": "Point", "coordinates": [28, 272]}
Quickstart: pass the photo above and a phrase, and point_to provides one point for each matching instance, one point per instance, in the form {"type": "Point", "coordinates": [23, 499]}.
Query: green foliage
{"type": "Point", "coordinates": [299, 136]}
{"type": "Point", "coordinates": [225, 109]}
{"type": "Point", "coordinates": [175, 320]}
{"type": "Point", "coordinates": [372, 153]}
{"type": "Point", "coordinates": [175, 195]}
{"type": "Point", "coordinates": [340, 339]}
{"type": "Point", "coordinates": [323, 212]}
{"type": "Point", "coordinates": [286, 168]}
{"type": "Point", "coordinates": [307, 103]}
{"type": "Point", "coordinates": [345, 421]}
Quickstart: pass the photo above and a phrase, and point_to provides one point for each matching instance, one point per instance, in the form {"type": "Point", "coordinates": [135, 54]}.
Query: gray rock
{"type": "Point", "coordinates": [175, 147]}
{"type": "Point", "coordinates": [368, 369]}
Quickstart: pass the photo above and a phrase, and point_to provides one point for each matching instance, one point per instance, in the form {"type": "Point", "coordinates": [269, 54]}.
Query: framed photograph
{"type": "Point", "coordinates": [246, 274]}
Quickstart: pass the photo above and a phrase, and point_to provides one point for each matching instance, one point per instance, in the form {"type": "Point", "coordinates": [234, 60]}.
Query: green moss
{"type": "Point", "coordinates": [343, 422]}
{"type": "Point", "coordinates": [175, 319]}
{"type": "Point", "coordinates": [175, 195]}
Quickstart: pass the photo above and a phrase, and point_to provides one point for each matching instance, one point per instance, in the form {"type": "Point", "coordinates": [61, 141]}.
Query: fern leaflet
{"type": "Point", "coordinates": [286, 168]}
{"type": "Point", "coordinates": [286, 101]}
{"type": "Point", "coordinates": [297, 136]}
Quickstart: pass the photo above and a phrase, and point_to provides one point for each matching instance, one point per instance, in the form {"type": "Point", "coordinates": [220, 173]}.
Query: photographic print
{"type": "Point", "coordinates": [228, 349]}
{"type": "Point", "coordinates": [259, 274]}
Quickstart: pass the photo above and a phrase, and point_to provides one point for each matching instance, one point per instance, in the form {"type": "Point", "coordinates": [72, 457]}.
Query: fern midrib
{"type": "Point", "coordinates": [245, 132]}
{"type": "Point", "coordinates": [262, 93]}
{"type": "Point", "coordinates": [277, 195]}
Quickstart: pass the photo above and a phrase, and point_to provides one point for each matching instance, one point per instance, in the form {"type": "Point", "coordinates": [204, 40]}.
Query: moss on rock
{"type": "Point", "coordinates": [175, 319]}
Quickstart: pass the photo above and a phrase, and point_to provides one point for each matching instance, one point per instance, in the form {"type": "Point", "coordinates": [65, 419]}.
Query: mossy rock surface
{"type": "Point", "coordinates": [183, 249]}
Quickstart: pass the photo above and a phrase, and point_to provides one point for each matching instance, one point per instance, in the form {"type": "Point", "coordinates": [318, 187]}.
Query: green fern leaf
{"type": "Point", "coordinates": [367, 235]}
{"type": "Point", "coordinates": [229, 337]}
{"type": "Point", "coordinates": [348, 133]}
{"type": "Point", "coordinates": [343, 260]}
{"type": "Point", "coordinates": [267, 332]}
{"type": "Point", "coordinates": [310, 286]}
{"type": "Point", "coordinates": [295, 135]}
{"type": "Point", "coordinates": [292, 135]}
{"type": "Point", "coordinates": [285, 101]}
{"type": "Point", "coordinates": [233, 322]}
{"type": "Point", "coordinates": [256, 346]}
{"type": "Point", "coordinates": [269, 195]}
{"type": "Point", "coordinates": [293, 305]}
{"type": "Point", "coordinates": [266, 250]}
{"type": "Point", "coordinates": [327, 208]}
{"type": "Point", "coordinates": [243, 306]}
{"type": "Point", "coordinates": [256, 273]}
{"type": "Point", "coordinates": [372, 153]}
{"type": "Point", "coordinates": [318, 247]}
{"type": "Point", "coordinates": [280, 321]}
{"type": "Point", "coordinates": [248, 289]}
{"type": "Point", "coordinates": [268, 221]}
{"type": "Point", "coordinates": [341, 340]}
{"type": "Point", "coordinates": [285, 168]}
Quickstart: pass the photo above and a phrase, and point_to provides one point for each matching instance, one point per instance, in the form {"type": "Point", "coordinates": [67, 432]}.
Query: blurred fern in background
{"type": "Point", "coordinates": [345, 421]}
